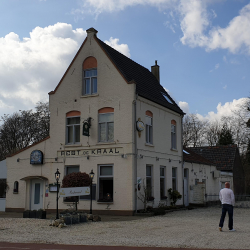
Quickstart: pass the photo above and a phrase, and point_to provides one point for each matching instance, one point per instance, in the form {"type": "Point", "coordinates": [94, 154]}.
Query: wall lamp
{"type": "Point", "coordinates": [169, 160]}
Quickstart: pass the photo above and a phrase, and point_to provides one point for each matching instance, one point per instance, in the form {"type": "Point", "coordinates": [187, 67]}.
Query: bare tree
{"type": "Point", "coordinates": [212, 133]}
{"type": "Point", "coordinates": [22, 129]}
{"type": "Point", "coordinates": [193, 131]}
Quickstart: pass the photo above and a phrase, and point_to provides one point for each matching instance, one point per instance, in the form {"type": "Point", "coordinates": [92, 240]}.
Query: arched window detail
{"type": "Point", "coordinates": [173, 135]}
{"type": "Point", "coordinates": [73, 119]}
{"type": "Point", "coordinates": [149, 127]}
{"type": "Point", "coordinates": [106, 124]}
{"type": "Point", "coordinates": [16, 186]}
{"type": "Point", "coordinates": [89, 85]}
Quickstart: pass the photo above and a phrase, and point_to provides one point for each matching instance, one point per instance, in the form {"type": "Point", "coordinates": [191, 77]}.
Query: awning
{"type": "Point", "coordinates": [33, 177]}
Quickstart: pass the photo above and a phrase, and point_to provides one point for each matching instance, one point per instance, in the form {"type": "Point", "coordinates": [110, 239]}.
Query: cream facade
{"type": "Point", "coordinates": [95, 94]}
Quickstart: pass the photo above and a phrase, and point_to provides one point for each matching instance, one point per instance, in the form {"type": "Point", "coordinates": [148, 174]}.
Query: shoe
{"type": "Point", "coordinates": [232, 230]}
{"type": "Point", "coordinates": [220, 228]}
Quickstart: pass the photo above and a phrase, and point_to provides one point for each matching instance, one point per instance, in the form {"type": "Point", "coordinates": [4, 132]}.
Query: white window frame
{"type": "Point", "coordinates": [174, 179]}
{"type": "Point", "coordinates": [149, 177]}
{"type": "Point", "coordinates": [101, 177]}
{"type": "Point", "coordinates": [173, 137]}
{"type": "Point", "coordinates": [91, 79]}
{"type": "Point", "coordinates": [74, 130]}
{"type": "Point", "coordinates": [163, 178]}
{"type": "Point", "coordinates": [106, 128]}
{"type": "Point", "coordinates": [149, 130]}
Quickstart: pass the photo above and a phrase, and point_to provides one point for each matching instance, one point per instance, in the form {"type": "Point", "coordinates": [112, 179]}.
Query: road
{"type": "Point", "coordinates": [33, 246]}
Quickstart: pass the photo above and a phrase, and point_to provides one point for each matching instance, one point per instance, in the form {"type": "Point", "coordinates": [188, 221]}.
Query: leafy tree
{"type": "Point", "coordinates": [174, 196]}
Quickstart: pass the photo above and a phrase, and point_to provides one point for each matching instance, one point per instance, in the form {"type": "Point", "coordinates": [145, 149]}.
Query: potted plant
{"type": "Point", "coordinates": [26, 214]}
{"type": "Point", "coordinates": [174, 196]}
{"type": "Point", "coordinates": [33, 214]}
{"type": "Point", "coordinates": [41, 214]}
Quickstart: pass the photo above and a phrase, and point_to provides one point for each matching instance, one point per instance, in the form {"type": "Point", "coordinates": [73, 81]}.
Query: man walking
{"type": "Point", "coordinates": [227, 201]}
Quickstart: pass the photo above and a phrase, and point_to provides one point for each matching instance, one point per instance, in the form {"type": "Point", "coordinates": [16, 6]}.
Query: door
{"type": "Point", "coordinates": [36, 201]}
{"type": "Point", "coordinates": [186, 200]}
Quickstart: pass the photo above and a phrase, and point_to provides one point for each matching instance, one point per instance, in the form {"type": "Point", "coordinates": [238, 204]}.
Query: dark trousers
{"type": "Point", "coordinates": [226, 208]}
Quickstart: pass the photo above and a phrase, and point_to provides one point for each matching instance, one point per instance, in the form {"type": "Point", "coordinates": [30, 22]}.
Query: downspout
{"type": "Point", "coordinates": [135, 150]}
{"type": "Point", "coordinates": [182, 161]}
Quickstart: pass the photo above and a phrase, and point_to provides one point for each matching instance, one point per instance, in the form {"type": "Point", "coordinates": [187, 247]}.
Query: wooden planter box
{"type": "Point", "coordinates": [41, 214]}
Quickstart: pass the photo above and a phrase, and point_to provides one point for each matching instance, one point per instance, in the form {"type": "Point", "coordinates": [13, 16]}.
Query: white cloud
{"type": "Point", "coordinates": [122, 48]}
{"type": "Point", "coordinates": [225, 87]}
{"type": "Point", "coordinates": [195, 19]}
{"type": "Point", "coordinates": [228, 109]}
{"type": "Point", "coordinates": [32, 66]}
{"type": "Point", "coordinates": [215, 67]}
{"type": "Point", "coordinates": [184, 106]}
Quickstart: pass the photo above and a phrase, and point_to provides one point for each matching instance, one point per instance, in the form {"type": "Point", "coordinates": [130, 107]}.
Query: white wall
{"type": "Point", "coordinates": [3, 175]}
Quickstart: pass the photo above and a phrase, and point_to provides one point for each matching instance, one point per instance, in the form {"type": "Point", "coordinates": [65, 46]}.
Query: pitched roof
{"type": "Point", "coordinates": [147, 85]}
{"type": "Point", "coordinates": [190, 156]}
{"type": "Point", "coordinates": [222, 155]}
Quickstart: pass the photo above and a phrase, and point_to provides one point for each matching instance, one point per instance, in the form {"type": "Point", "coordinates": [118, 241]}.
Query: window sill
{"type": "Point", "coordinates": [104, 202]}
{"type": "Point", "coordinates": [72, 145]}
{"type": "Point", "coordinates": [148, 144]}
{"type": "Point", "coordinates": [106, 143]}
{"type": "Point", "coordinates": [86, 96]}
{"type": "Point", "coordinates": [174, 149]}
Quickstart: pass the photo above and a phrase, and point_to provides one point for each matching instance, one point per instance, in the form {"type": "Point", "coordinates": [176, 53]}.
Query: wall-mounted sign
{"type": "Point", "coordinates": [85, 129]}
{"type": "Point", "coordinates": [36, 157]}
{"type": "Point", "coordinates": [74, 191]}
{"type": "Point", "coordinates": [90, 152]}
{"type": "Point", "coordinates": [53, 187]}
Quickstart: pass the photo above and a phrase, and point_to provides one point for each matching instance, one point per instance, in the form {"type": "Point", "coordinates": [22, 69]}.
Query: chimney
{"type": "Point", "coordinates": [155, 70]}
{"type": "Point", "coordinates": [91, 32]}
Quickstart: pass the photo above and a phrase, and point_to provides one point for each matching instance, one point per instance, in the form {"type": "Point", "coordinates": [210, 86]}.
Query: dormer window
{"type": "Point", "coordinates": [89, 86]}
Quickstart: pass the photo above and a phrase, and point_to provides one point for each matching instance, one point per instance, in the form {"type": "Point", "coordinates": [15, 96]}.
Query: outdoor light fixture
{"type": "Point", "coordinates": [91, 176]}
{"type": "Point", "coordinates": [57, 177]}
{"type": "Point", "coordinates": [157, 159]}
{"type": "Point", "coordinates": [169, 160]}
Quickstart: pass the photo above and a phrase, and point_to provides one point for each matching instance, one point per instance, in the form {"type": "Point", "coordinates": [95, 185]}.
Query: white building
{"type": "Point", "coordinates": [3, 176]}
{"type": "Point", "coordinates": [135, 136]}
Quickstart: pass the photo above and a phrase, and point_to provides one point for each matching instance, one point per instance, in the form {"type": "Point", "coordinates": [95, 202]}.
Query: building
{"type": "Point", "coordinates": [202, 179]}
{"type": "Point", "coordinates": [3, 176]}
{"type": "Point", "coordinates": [227, 160]}
{"type": "Point", "coordinates": [109, 114]}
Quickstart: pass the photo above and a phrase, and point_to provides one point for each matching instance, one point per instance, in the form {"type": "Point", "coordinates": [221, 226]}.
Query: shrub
{"type": "Point", "coordinates": [76, 180]}
{"type": "Point", "coordinates": [174, 195]}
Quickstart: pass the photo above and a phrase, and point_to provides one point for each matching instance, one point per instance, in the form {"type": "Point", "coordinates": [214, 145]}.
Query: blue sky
{"type": "Point", "coordinates": [202, 47]}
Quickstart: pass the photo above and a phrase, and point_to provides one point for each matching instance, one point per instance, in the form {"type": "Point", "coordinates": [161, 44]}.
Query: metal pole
{"type": "Point", "coordinates": [57, 217]}
{"type": "Point", "coordinates": [90, 197]}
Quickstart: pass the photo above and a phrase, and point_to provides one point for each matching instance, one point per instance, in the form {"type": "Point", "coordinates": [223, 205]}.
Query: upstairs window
{"type": "Point", "coordinates": [149, 127]}
{"type": "Point", "coordinates": [173, 134]}
{"type": "Point", "coordinates": [89, 76]}
{"type": "Point", "coordinates": [106, 125]}
{"type": "Point", "coordinates": [73, 127]}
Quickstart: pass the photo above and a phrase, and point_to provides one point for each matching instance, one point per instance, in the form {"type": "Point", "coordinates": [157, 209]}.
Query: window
{"type": "Point", "coordinates": [106, 125]}
{"type": "Point", "coordinates": [3, 187]}
{"type": "Point", "coordinates": [73, 127]}
{"type": "Point", "coordinates": [69, 170]}
{"type": "Point", "coordinates": [162, 182]}
{"type": "Point", "coordinates": [15, 190]}
{"type": "Point", "coordinates": [149, 127]}
{"type": "Point", "coordinates": [173, 134]}
{"type": "Point", "coordinates": [89, 76]}
{"type": "Point", "coordinates": [90, 82]}
{"type": "Point", "coordinates": [174, 179]}
{"type": "Point", "coordinates": [149, 181]}
{"type": "Point", "coordinates": [105, 183]}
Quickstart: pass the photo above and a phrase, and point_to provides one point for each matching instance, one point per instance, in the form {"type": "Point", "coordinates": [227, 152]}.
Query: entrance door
{"type": "Point", "coordinates": [36, 201]}
{"type": "Point", "coordinates": [186, 200]}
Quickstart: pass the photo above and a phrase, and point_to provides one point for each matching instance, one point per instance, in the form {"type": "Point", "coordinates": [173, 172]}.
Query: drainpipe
{"type": "Point", "coordinates": [135, 150]}
{"type": "Point", "coordinates": [182, 160]}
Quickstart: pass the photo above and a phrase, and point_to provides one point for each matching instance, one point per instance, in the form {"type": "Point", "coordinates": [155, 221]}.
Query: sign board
{"type": "Point", "coordinates": [74, 191]}
{"type": "Point", "coordinates": [36, 157]}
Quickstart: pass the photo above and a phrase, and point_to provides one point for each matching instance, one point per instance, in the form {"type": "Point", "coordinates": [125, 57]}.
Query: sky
{"type": "Point", "coordinates": [202, 47]}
